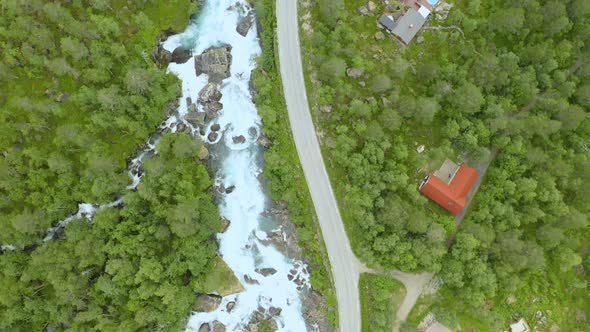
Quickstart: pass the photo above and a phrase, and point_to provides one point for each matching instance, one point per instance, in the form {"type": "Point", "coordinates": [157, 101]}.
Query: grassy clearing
{"type": "Point", "coordinates": [221, 280]}
{"type": "Point", "coordinates": [380, 297]}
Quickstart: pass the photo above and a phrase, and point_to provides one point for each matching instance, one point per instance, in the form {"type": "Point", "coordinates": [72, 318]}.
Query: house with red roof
{"type": "Point", "coordinates": [449, 185]}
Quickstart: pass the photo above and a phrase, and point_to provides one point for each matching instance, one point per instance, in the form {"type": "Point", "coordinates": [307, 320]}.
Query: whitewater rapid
{"type": "Point", "coordinates": [239, 166]}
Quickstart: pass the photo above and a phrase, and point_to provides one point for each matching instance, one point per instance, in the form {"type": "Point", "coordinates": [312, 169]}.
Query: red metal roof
{"type": "Point", "coordinates": [453, 196]}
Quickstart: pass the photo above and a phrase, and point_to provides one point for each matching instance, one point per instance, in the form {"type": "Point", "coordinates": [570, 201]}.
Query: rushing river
{"type": "Point", "coordinates": [239, 165]}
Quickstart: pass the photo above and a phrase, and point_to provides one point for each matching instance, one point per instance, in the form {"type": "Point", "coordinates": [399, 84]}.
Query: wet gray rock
{"type": "Point", "coordinates": [181, 55]}
{"type": "Point", "coordinates": [274, 312]}
{"type": "Point", "coordinates": [264, 141]}
{"type": "Point", "coordinates": [205, 327]}
{"type": "Point", "coordinates": [207, 302]}
{"type": "Point", "coordinates": [258, 315]}
{"type": "Point", "coordinates": [209, 97]}
{"type": "Point", "coordinates": [267, 271]}
{"type": "Point", "coordinates": [161, 56]}
{"type": "Point", "coordinates": [215, 62]}
{"type": "Point", "coordinates": [230, 189]}
{"type": "Point", "coordinates": [195, 118]}
{"type": "Point", "coordinates": [181, 127]}
{"type": "Point", "coordinates": [212, 137]}
{"type": "Point", "coordinates": [212, 108]}
{"type": "Point", "coordinates": [215, 127]}
{"type": "Point", "coordinates": [165, 34]}
{"type": "Point", "coordinates": [191, 108]}
{"type": "Point", "coordinates": [209, 93]}
{"type": "Point", "coordinates": [239, 139]}
{"type": "Point", "coordinates": [354, 72]}
{"type": "Point", "coordinates": [250, 280]}
{"type": "Point", "coordinates": [244, 25]}
{"type": "Point", "coordinates": [172, 107]}
{"type": "Point", "coordinates": [230, 306]}
{"type": "Point", "coordinates": [218, 326]}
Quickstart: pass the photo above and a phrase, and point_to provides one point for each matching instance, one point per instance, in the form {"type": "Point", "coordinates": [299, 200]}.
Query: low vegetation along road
{"type": "Point", "coordinates": [345, 266]}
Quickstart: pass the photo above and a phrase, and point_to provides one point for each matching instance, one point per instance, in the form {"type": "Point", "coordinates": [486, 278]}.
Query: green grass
{"type": "Point", "coordinates": [221, 280]}
{"type": "Point", "coordinates": [380, 298]}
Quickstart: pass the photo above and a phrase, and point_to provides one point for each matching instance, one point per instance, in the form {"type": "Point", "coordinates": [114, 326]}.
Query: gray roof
{"type": "Point", "coordinates": [387, 21]}
{"type": "Point", "coordinates": [408, 26]}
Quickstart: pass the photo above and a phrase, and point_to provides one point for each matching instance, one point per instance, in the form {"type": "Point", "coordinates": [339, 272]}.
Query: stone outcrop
{"type": "Point", "coordinates": [161, 56]}
{"type": "Point", "coordinates": [218, 326]}
{"type": "Point", "coordinates": [262, 317]}
{"type": "Point", "coordinates": [215, 127]}
{"type": "Point", "coordinates": [205, 327]}
{"type": "Point", "coordinates": [250, 280]}
{"type": "Point", "coordinates": [207, 302]}
{"type": "Point", "coordinates": [215, 62]}
{"type": "Point", "coordinates": [209, 97]}
{"type": "Point", "coordinates": [203, 153]}
{"type": "Point", "coordinates": [230, 306]}
{"type": "Point", "coordinates": [354, 72]}
{"type": "Point", "coordinates": [197, 119]}
{"type": "Point", "coordinates": [267, 271]}
{"type": "Point", "coordinates": [244, 25]}
{"type": "Point", "coordinates": [165, 34]}
{"type": "Point", "coordinates": [212, 137]}
{"type": "Point", "coordinates": [181, 55]}
{"type": "Point", "coordinates": [239, 139]}
{"type": "Point", "coordinates": [264, 141]}
{"type": "Point", "coordinates": [209, 93]}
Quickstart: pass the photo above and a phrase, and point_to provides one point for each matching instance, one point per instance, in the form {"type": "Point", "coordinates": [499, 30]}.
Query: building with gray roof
{"type": "Point", "coordinates": [408, 26]}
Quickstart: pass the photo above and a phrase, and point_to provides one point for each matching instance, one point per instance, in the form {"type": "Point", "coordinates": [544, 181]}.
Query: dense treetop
{"type": "Point", "coordinates": [506, 76]}
{"type": "Point", "coordinates": [78, 94]}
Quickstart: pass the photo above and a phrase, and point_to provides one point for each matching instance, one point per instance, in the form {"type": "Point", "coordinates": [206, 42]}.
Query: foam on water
{"type": "Point", "coordinates": [240, 246]}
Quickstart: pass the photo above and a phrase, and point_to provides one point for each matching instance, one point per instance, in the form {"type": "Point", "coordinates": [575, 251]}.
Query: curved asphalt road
{"type": "Point", "coordinates": [345, 266]}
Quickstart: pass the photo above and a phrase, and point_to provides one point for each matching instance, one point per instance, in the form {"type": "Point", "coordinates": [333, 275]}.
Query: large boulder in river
{"type": "Point", "coordinates": [215, 62]}
{"type": "Point", "coordinates": [218, 326]}
{"type": "Point", "coordinates": [207, 302]}
{"type": "Point", "coordinates": [197, 119]}
{"type": "Point", "coordinates": [212, 137]}
{"type": "Point", "coordinates": [244, 25]}
{"type": "Point", "coordinates": [205, 328]}
{"type": "Point", "coordinates": [181, 55]}
{"type": "Point", "coordinates": [239, 139]}
{"type": "Point", "coordinates": [209, 93]}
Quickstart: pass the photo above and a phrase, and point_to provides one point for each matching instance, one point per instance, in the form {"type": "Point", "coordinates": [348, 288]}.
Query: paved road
{"type": "Point", "coordinates": [345, 266]}
{"type": "Point", "coordinates": [414, 284]}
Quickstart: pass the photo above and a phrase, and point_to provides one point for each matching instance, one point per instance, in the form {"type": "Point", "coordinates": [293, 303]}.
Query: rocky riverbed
{"type": "Point", "coordinates": [258, 243]}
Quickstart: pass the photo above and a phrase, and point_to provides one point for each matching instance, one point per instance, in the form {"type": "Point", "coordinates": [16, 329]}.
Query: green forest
{"type": "Point", "coordinates": [79, 93]}
{"type": "Point", "coordinates": [505, 77]}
